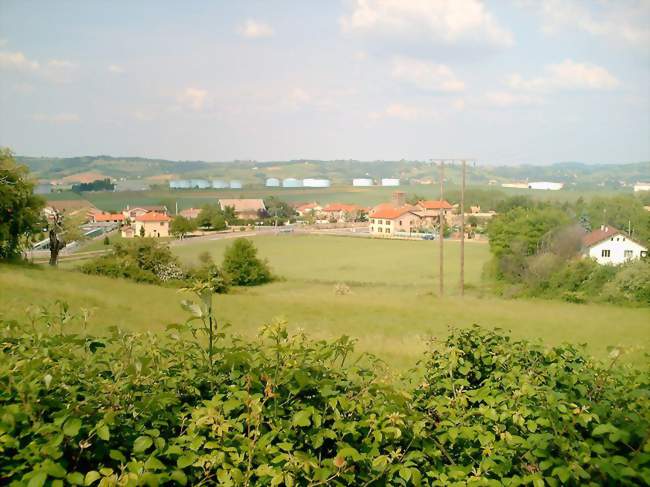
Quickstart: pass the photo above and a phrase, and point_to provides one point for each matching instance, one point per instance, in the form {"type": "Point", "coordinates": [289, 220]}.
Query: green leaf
{"type": "Point", "coordinates": [179, 477]}
{"type": "Point", "coordinates": [153, 463]}
{"type": "Point", "coordinates": [71, 427]}
{"type": "Point", "coordinates": [185, 460]}
{"type": "Point", "coordinates": [563, 473]}
{"type": "Point", "coordinates": [141, 444]}
{"type": "Point", "coordinates": [91, 477]}
{"type": "Point", "coordinates": [117, 455]}
{"type": "Point", "coordinates": [37, 480]}
{"type": "Point", "coordinates": [602, 429]}
{"type": "Point", "coordinates": [302, 418]}
{"type": "Point", "coordinates": [405, 473]}
{"type": "Point", "coordinates": [75, 478]}
{"type": "Point", "coordinates": [103, 432]}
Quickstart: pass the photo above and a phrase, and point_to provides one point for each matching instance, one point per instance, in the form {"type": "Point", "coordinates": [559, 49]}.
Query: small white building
{"type": "Point", "coordinates": [390, 182]}
{"type": "Point", "coordinates": [545, 185]}
{"type": "Point", "coordinates": [315, 183]}
{"type": "Point", "coordinates": [607, 245]}
{"type": "Point", "coordinates": [363, 182]}
{"type": "Point", "coordinates": [641, 187]}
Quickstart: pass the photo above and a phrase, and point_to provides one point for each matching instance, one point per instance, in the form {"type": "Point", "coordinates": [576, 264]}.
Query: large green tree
{"type": "Point", "coordinates": [20, 209]}
{"type": "Point", "coordinates": [243, 267]}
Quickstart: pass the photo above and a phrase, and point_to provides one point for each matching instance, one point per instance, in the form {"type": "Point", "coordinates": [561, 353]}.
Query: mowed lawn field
{"type": "Point", "coordinates": [392, 309]}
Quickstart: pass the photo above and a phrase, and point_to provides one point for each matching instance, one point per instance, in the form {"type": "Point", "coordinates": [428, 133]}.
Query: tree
{"type": "Point", "coordinates": [55, 232]}
{"type": "Point", "coordinates": [277, 208]}
{"type": "Point", "coordinates": [243, 267]}
{"type": "Point", "coordinates": [181, 226]}
{"type": "Point", "coordinates": [142, 231]}
{"type": "Point", "coordinates": [62, 230]}
{"type": "Point", "coordinates": [20, 209]}
{"type": "Point", "coordinates": [414, 199]}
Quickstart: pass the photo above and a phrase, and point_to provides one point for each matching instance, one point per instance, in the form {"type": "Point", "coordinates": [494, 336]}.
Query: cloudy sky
{"type": "Point", "coordinates": [503, 81]}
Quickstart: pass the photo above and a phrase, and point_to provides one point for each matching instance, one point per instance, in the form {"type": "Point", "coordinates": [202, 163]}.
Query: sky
{"type": "Point", "coordinates": [503, 82]}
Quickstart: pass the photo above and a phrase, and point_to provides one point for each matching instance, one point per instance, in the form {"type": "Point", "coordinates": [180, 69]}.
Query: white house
{"type": "Point", "coordinates": [641, 187]}
{"type": "Point", "coordinates": [611, 246]}
{"type": "Point", "coordinates": [545, 185]}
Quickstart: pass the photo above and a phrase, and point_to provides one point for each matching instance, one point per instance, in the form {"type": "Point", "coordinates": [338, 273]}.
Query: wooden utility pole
{"type": "Point", "coordinates": [462, 232]}
{"type": "Point", "coordinates": [441, 229]}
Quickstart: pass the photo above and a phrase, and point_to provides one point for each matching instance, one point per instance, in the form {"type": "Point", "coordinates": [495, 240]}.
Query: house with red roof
{"type": "Point", "coordinates": [431, 210]}
{"type": "Point", "coordinates": [102, 217]}
{"type": "Point", "coordinates": [152, 224]}
{"type": "Point", "coordinates": [608, 245]}
{"type": "Point", "coordinates": [306, 209]}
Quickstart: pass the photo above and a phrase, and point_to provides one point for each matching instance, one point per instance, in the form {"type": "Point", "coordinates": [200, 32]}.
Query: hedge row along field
{"type": "Point", "coordinates": [196, 406]}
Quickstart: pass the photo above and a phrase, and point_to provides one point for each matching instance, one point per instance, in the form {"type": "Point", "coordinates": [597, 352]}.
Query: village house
{"type": "Point", "coordinates": [102, 217]}
{"type": "Point", "coordinates": [607, 245]}
{"type": "Point", "coordinates": [132, 213]}
{"type": "Point", "coordinates": [430, 211]}
{"type": "Point", "coordinates": [386, 221]}
{"type": "Point", "coordinates": [339, 212]}
{"type": "Point", "coordinates": [307, 209]}
{"type": "Point", "coordinates": [246, 209]}
{"type": "Point", "coordinates": [152, 224]}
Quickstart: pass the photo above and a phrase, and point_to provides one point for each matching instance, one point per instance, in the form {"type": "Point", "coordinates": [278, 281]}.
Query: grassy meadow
{"type": "Point", "coordinates": [392, 308]}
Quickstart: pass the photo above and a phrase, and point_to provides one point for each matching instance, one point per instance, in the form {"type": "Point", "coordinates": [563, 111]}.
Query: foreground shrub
{"type": "Point", "coordinates": [242, 265]}
{"type": "Point", "coordinates": [143, 409]}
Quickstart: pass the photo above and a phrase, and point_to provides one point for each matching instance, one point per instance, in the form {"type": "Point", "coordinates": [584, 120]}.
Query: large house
{"type": "Point", "coordinates": [607, 245]}
{"type": "Point", "coordinates": [152, 224]}
{"type": "Point", "coordinates": [246, 209]}
{"type": "Point", "coordinates": [132, 213]}
{"type": "Point", "coordinates": [387, 219]}
{"type": "Point", "coordinates": [306, 209]}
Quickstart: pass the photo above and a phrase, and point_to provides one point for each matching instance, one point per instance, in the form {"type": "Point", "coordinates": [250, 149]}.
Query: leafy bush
{"type": "Point", "coordinates": [141, 260]}
{"type": "Point", "coordinates": [631, 284]}
{"type": "Point", "coordinates": [241, 264]}
{"type": "Point", "coordinates": [146, 409]}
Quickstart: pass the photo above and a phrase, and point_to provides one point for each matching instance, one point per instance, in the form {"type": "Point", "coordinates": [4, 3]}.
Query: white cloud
{"type": "Point", "coordinates": [398, 110]}
{"type": "Point", "coordinates": [254, 29]}
{"type": "Point", "coordinates": [437, 21]}
{"type": "Point", "coordinates": [114, 68]}
{"type": "Point", "coordinates": [426, 75]}
{"type": "Point", "coordinates": [567, 75]}
{"type": "Point", "coordinates": [624, 20]}
{"type": "Point", "coordinates": [194, 98]}
{"type": "Point", "coordinates": [57, 70]}
{"type": "Point", "coordinates": [17, 61]}
{"type": "Point", "coordinates": [57, 118]}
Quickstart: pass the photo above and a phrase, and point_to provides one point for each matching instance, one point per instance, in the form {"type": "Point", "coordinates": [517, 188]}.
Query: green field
{"type": "Point", "coordinates": [392, 309]}
{"type": "Point", "coordinates": [113, 201]}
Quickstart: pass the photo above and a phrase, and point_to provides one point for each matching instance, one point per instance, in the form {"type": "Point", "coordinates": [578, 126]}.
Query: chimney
{"type": "Point", "coordinates": [399, 199]}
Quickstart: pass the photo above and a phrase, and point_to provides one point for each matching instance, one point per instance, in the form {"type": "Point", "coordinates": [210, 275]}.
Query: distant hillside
{"type": "Point", "coordinates": [574, 174]}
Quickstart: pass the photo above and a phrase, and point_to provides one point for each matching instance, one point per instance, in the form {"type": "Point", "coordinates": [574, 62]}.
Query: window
{"type": "Point", "coordinates": [400, 223]}
{"type": "Point", "coordinates": [162, 224]}
{"type": "Point", "coordinates": [380, 229]}
{"type": "Point", "coordinates": [388, 230]}
{"type": "Point", "coordinates": [604, 253]}
{"type": "Point", "coordinates": [627, 254]}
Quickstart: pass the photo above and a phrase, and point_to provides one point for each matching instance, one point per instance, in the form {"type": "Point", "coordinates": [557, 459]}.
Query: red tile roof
{"type": "Point", "coordinates": [435, 205]}
{"type": "Point", "coordinates": [107, 217]}
{"type": "Point", "coordinates": [152, 217]}
{"type": "Point", "coordinates": [390, 212]}
{"type": "Point", "coordinates": [342, 207]}
{"type": "Point", "coordinates": [602, 233]}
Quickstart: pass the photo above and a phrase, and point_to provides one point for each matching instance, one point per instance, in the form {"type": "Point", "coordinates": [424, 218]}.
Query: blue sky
{"type": "Point", "coordinates": [506, 82]}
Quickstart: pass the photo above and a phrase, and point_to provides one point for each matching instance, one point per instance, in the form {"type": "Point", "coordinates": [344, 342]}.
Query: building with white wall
{"type": "Point", "coordinates": [362, 182]}
{"type": "Point", "coordinates": [641, 187]}
{"type": "Point", "coordinates": [607, 245]}
{"type": "Point", "coordinates": [390, 182]}
{"type": "Point", "coordinates": [545, 185]}
{"type": "Point", "coordinates": [316, 183]}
